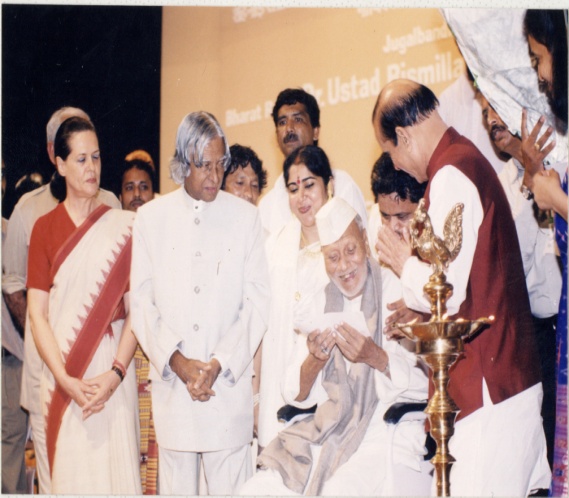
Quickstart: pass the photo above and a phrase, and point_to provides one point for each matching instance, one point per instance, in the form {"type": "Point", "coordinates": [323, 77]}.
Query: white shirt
{"type": "Point", "coordinates": [199, 284]}
{"type": "Point", "coordinates": [460, 109]}
{"type": "Point", "coordinates": [541, 268]}
{"type": "Point", "coordinates": [11, 339]}
{"type": "Point", "coordinates": [449, 187]}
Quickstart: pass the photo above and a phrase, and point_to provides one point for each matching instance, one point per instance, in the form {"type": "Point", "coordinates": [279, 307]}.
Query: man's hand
{"type": "Point", "coordinates": [359, 348]}
{"type": "Point", "coordinates": [194, 374]}
{"type": "Point", "coordinates": [320, 344]}
{"type": "Point", "coordinates": [393, 249]}
{"type": "Point", "coordinates": [401, 314]}
{"type": "Point", "coordinates": [534, 149]}
{"type": "Point", "coordinates": [17, 305]}
{"type": "Point", "coordinates": [202, 386]}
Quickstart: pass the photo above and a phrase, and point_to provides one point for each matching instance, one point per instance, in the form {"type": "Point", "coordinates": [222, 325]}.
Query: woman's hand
{"type": "Point", "coordinates": [104, 387]}
{"type": "Point", "coordinates": [77, 389]}
{"type": "Point", "coordinates": [548, 193]}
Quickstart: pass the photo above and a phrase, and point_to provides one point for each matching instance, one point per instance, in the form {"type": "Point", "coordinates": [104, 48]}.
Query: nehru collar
{"type": "Point", "coordinates": [192, 204]}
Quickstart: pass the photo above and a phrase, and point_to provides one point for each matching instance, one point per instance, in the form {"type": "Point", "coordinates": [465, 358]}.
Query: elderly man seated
{"type": "Point", "coordinates": [354, 375]}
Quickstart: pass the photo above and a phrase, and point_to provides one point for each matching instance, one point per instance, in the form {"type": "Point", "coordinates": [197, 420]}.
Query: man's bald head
{"type": "Point", "coordinates": [401, 103]}
{"type": "Point", "coordinates": [407, 125]}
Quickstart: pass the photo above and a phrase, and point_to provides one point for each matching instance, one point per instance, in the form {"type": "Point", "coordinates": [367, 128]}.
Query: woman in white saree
{"type": "Point", "coordinates": [298, 277]}
{"type": "Point", "coordinates": [78, 275]}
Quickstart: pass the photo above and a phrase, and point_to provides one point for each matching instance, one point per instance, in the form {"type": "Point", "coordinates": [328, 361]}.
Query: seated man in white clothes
{"type": "Point", "coordinates": [354, 376]}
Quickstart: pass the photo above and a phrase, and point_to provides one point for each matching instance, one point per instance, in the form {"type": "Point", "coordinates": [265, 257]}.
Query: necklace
{"type": "Point", "coordinates": [306, 247]}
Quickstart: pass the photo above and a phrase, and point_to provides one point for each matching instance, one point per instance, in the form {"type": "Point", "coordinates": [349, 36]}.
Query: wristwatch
{"type": "Point", "coordinates": [526, 192]}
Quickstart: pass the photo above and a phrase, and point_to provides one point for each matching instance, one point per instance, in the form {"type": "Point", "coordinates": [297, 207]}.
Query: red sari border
{"type": "Point", "coordinates": [75, 237]}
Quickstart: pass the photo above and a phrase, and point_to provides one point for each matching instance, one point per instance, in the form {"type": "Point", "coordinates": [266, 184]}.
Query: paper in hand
{"type": "Point", "coordinates": [325, 321]}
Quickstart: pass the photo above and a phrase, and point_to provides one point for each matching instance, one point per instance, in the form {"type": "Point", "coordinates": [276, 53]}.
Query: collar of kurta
{"type": "Point", "coordinates": [192, 204]}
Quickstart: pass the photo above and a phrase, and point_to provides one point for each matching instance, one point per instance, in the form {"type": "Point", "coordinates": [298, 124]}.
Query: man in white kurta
{"type": "Point", "coordinates": [498, 443]}
{"type": "Point", "coordinates": [385, 460]}
{"type": "Point", "coordinates": [200, 295]}
{"type": "Point", "coordinates": [541, 264]}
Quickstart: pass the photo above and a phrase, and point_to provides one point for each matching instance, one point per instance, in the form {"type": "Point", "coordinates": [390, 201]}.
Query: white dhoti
{"type": "Point", "coordinates": [388, 462]}
{"type": "Point", "coordinates": [500, 449]}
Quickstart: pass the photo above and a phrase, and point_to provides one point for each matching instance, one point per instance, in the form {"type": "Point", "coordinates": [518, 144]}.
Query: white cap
{"type": "Point", "coordinates": [333, 219]}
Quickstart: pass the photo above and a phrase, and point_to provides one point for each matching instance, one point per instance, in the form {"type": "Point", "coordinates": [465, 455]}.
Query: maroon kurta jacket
{"type": "Point", "coordinates": [505, 353]}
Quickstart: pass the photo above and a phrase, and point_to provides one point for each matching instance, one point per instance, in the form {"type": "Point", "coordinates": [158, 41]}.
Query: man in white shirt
{"type": "Point", "coordinates": [199, 302]}
{"type": "Point", "coordinates": [541, 265]}
{"type": "Point", "coordinates": [15, 261]}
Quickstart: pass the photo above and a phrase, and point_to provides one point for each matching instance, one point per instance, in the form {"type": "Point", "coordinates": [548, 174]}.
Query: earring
{"type": "Point", "coordinates": [330, 190]}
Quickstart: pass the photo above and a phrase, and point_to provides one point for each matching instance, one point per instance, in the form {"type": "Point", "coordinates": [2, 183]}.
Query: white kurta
{"type": "Point", "coordinates": [199, 283]}
{"type": "Point", "coordinates": [298, 278]}
{"type": "Point", "coordinates": [390, 459]}
{"type": "Point", "coordinates": [494, 429]}
{"type": "Point", "coordinates": [537, 245]}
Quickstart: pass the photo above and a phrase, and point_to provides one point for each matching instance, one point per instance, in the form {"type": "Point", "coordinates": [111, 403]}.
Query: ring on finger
{"type": "Point", "coordinates": [324, 350]}
{"type": "Point", "coordinates": [537, 147]}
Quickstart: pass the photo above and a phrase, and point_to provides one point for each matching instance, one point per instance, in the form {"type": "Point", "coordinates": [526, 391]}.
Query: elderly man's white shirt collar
{"type": "Point", "coordinates": [193, 204]}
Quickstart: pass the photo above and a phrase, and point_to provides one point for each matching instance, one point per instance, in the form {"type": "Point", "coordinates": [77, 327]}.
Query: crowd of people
{"type": "Point", "coordinates": [218, 340]}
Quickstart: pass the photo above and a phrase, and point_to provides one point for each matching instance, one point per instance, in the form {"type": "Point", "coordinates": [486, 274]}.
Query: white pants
{"type": "Point", "coordinates": [37, 422]}
{"type": "Point", "coordinates": [225, 471]}
{"type": "Point", "coordinates": [500, 449]}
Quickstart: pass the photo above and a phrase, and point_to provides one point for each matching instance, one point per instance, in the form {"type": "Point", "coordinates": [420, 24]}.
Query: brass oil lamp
{"type": "Point", "coordinates": [440, 340]}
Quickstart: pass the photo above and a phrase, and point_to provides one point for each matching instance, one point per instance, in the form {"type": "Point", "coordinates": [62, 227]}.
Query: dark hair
{"type": "Point", "coordinates": [407, 110]}
{"type": "Point", "coordinates": [142, 166]}
{"type": "Point", "coordinates": [386, 180]}
{"type": "Point", "coordinates": [61, 149]}
{"type": "Point", "coordinates": [549, 28]}
{"type": "Point", "coordinates": [240, 157]}
{"type": "Point", "coordinates": [314, 158]}
{"type": "Point", "coordinates": [292, 96]}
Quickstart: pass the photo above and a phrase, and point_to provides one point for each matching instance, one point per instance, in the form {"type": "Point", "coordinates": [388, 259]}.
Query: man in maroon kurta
{"type": "Point", "coordinates": [498, 443]}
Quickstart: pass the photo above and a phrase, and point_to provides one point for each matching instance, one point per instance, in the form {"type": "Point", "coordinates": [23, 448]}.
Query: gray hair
{"type": "Point", "coordinates": [195, 132]}
{"type": "Point", "coordinates": [60, 116]}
